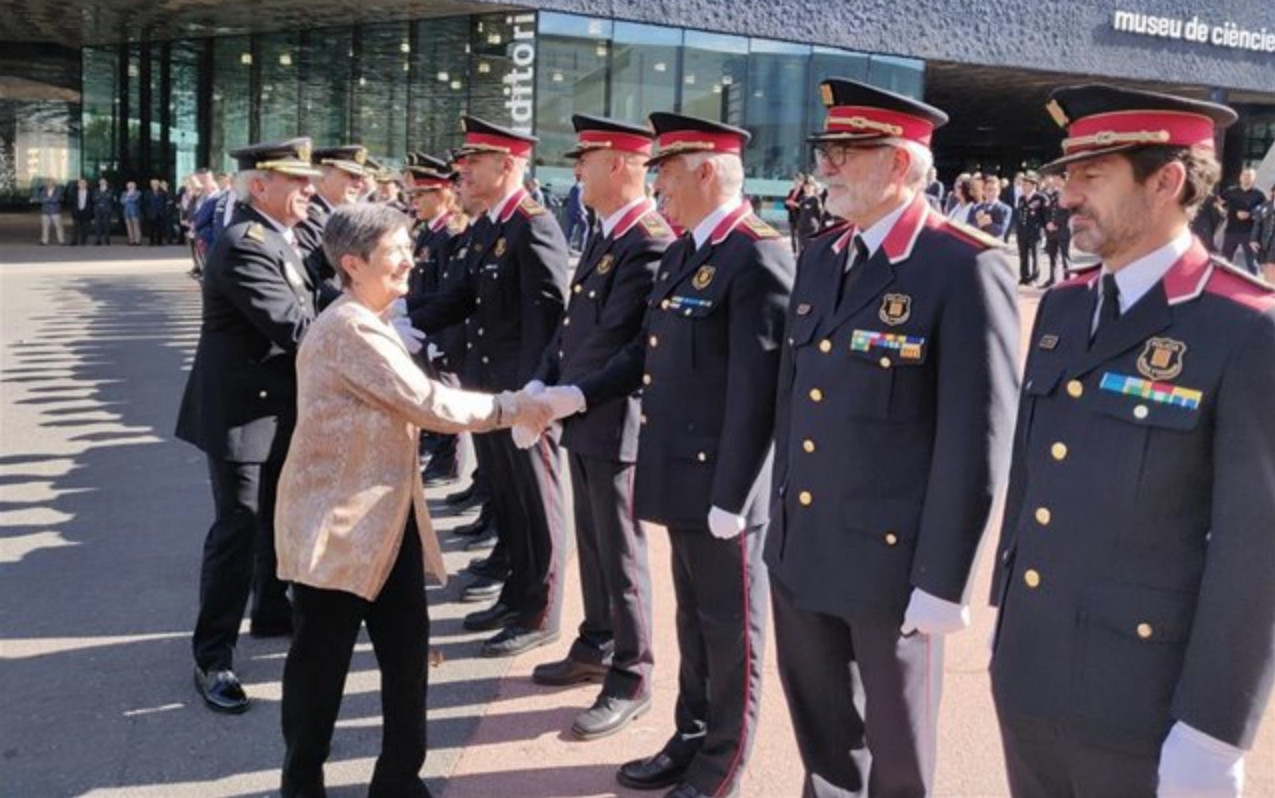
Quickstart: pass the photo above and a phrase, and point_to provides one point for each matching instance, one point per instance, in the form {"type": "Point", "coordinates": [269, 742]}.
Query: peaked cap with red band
{"type": "Point", "coordinates": [676, 134]}
{"type": "Point", "coordinates": [859, 113]}
{"type": "Point", "coordinates": [482, 136]}
{"type": "Point", "coordinates": [600, 133]}
{"type": "Point", "coordinates": [427, 173]}
{"type": "Point", "coordinates": [1102, 119]}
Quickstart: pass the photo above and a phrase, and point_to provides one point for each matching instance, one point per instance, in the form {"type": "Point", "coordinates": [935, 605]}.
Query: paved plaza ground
{"type": "Point", "coordinates": [102, 516]}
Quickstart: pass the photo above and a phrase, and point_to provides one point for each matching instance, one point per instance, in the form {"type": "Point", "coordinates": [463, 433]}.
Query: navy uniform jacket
{"type": "Point", "coordinates": [1058, 215]}
{"type": "Point", "coordinates": [608, 300]}
{"type": "Point", "coordinates": [240, 399]}
{"type": "Point", "coordinates": [894, 420]}
{"type": "Point", "coordinates": [513, 293]}
{"type": "Point", "coordinates": [432, 249]}
{"type": "Point", "coordinates": [1032, 212]}
{"type": "Point", "coordinates": [319, 273]}
{"type": "Point", "coordinates": [706, 361]}
{"type": "Point", "coordinates": [1138, 544]}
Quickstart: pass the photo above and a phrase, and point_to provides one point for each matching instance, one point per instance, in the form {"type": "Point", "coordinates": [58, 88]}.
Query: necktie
{"type": "Point", "coordinates": [854, 267]}
{"type": "Point", "coordinates": [1109, 311]}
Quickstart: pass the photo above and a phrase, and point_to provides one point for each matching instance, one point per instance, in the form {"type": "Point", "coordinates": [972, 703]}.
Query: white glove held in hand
{"type": "Point", "coordinates": [412, 338]}
{"type": "Point", "coordinates": [931, 615]}
{"type": "Point", "coordinates": [1195, 765]}
{"type": "Point", "coordinates": [566, 400]}
{"type": "Point", "coordinates": [724, 525]}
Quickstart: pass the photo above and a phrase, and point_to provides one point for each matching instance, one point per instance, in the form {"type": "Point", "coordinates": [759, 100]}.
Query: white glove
{"type": "Point", "coordinates": [432, 352]}
{"type": "Point", "coordinates": [534, 388]}
{"type": "Point", "coordinates": [724, 525]}
{"type": "Point", "coordinates": [565, 400]}
{"type": "Point", "coordinates": [412, 338]}
{"type": "Point", "coordinates": [1195, 765]}
{"type": "Point", "coordinates": [931, 615]}
{"type": "Point", "coordinates": [398, 308]}
{"type": "Point", "coordinates": [524, 437]}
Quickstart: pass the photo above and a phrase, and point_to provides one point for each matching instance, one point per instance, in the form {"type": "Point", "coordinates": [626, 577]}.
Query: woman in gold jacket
{"type": "Point", "coordinates": [351, 526]}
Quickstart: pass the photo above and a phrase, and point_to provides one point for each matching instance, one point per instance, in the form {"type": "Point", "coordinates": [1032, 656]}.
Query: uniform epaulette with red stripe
{"type": "Point", "coordinates": [833, 230]}
{"type": "Point", "coordinates": [758, 228]}
{"type": "Point", "coordinates": [1231, 282]}
{"type": "Point", "coordinates": [1082, 276]}
{"type": "Point", "coordinates": [970, 235]}
{"type": "Point", "coordinates": [530, 207]}
{"type": "Point", "coordinates": [654, 226]}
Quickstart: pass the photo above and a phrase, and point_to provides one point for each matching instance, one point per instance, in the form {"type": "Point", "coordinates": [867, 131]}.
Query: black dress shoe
{"type": "Point", "coordinates": [608, 715]}
{"type": "Point", "coordinates": [221, 691]}
{"type": "Point", "coordinates": [440, 472]}
{"type": "Point", "coordinates": [482, 589]}
{"type": "Point", "coordinates": [484, 568]}
{"type": "Point", "coordinates": [497, 616]}
{"type": "Point", "coordinates": [474, 528]}
{"type": "Point", "coordinates": [652, 773]}
{"type": "Point", "coordinates": [685, 790]}
{"type": "Point", "coordinates": [516, 639]}
{"type": "Point", "coordinates": [463, 498]}
{"type": "Point", "coordinates": [566, 672]}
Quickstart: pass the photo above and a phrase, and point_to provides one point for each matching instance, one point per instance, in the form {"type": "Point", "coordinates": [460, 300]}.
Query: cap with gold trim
{"type": "Point", "coordinates": [290, 157]}
{"type": "Point", "coordinates": [482, 136]}
{"type": "Point", "coordinates": [373, 169]}
{"type": "Point", "coordinates": [676, 134]}
{"type": "Point", "coordinates": [601, 133]}
{"type": "Point", "coordinates": [351, 158]}
{"type": "Point", "coordinates": [427, 173]}
{"type": "Point", "coordinates": [1102, 119]}
{"type": "Point", "coordinates": [860, 113]}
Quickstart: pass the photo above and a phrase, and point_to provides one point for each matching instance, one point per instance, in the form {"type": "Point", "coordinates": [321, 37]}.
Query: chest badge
{"type": "Point", "coordinates": [478, 247]}
{"type": "Point", "coordinates": [704, 277]}
{"type": "Point", "coordinates": [895, 309]}
{"type": "Point", "coordinates": [500, 247]}
{"type": "Point", "coordinates": [1048, 342]}
{"type": "Point", "coordinates": [803, 309]}
{"type": "Point", "coordinates": [1161, 359]}
{"type": "Point", "coordinates": [424, 254]}
{"type": "Point", "coordinates": [604, 265]}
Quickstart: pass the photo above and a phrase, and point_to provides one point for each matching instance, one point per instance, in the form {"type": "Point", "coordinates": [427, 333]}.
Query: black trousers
{"type": "Point", "coordinates": [155, 230]}
{"type": "Point", "coordinates": [239, 560]}
{"type": "Point", "coordinates": [863, 701]}
{"type": "Point", "coordinates": [1028, 258]}
{"type": "Point", "coordinates": [1045, 760]}
{"type": "Point", "coordinates": [721, 592]}
{"type": "Point", "coordinates": [614, 575]}
{"type": "Point", "coordinates": [327, 627]}
{"type": "Point", "coordinates": [1238, 242]}
{"type": "Point", "coordinates": [528, 508]}
{"type": "Point", "coordinates": [82, 226]}
{"type": "Point", "coordinates": [102, 229]}
{"type": "Point", "coordinates": [1058, 248]}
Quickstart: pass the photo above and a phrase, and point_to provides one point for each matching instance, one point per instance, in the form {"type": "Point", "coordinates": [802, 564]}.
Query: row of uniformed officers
{"type": "Point", "coordinates": [826, 440]}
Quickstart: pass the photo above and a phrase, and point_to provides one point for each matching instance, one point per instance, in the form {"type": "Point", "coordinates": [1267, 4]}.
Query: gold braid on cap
{"type": "Point", "coordinates": [863, 123]}
{"type": "Point", "coordinates": [683, 146]}
{"type": "Point", "coordinates": [1107, 138]}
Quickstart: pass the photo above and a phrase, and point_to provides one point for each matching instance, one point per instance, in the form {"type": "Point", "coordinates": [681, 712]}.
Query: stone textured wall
{"type": "Point", "coordinates": [1056, 35]}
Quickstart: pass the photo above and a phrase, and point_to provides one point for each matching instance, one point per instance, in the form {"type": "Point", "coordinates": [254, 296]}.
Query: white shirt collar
{"type": "Point", "coordinates": [1141, 275]}
{"type": "Point", "coordinates": [493, 213]}
{"type": "Point", "coordinates": [286, 232]}
{"type": "Point", "coordinates": [609, 223]}
{"type": "Point", "coordinates": [874, 235]}
{"type": "Point", "coordinates": [705, 228]}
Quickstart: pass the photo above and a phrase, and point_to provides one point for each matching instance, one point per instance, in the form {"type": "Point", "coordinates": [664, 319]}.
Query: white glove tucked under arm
{"type": "Point", "coordinates": [724, 525]}
{"type": "Point", "coordinates": [412, 338]}
{"type": "Point", "coordinates": [1195, 765]}
{"type": "Point", "coordinates": [931, 615]}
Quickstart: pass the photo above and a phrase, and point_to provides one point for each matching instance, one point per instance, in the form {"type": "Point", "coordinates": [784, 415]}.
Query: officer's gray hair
{"type": "Point", "coordinates": [729, 168]}
{"type": "Point", "coordinates": [356, 230]}
{"type": "Point", "coordinates": [242, 184]}
{"type": "Point", "coordinates": [920, 161]}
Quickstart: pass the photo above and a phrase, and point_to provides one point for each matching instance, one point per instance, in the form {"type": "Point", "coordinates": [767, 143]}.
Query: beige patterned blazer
{"type": "Point", "coordinates": [352, 472]}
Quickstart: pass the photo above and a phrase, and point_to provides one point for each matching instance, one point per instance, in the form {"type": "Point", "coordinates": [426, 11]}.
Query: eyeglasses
{"type": "Point", "coordinates": [837, 154]}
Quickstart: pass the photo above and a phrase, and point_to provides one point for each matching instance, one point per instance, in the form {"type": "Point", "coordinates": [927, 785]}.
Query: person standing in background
{"type": "Point", "coordinates": [50, 211]}
{"type": "Point", "coordinates": [103, 206]}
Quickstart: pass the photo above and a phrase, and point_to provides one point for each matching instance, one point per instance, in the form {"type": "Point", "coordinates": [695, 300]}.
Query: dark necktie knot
{"type": "Point", "coordinates": [858, 253]}
{"type": "Point", "coordinates": [1110, 300]}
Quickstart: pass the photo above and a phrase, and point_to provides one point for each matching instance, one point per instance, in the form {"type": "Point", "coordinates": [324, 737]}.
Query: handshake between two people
{"type": "Point", "coordinates": [552, 403]}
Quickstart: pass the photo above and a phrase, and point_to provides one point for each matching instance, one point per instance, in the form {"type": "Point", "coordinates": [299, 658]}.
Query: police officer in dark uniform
{"type": "Point", "coordinates": [896, 396]}
{"type": "Point", "coordinates": [512, 300]}
{"type": "Point", "coordinates": [239, 406]}
{"type": "Point", "coordinates": [1030, 219]}
{"type": "Point", "coordinates": [342, 182]}
{"type": "Point", "coordinates": [1135, 646]}
{"type": "Point", "coordinates": [706, 362]}
{"type": "Point", "coordinates": [608, 300]}
{"type": "Point", "coordinates": [429, 183]}
{"type": "Point", "coordinates": [1057, 231]}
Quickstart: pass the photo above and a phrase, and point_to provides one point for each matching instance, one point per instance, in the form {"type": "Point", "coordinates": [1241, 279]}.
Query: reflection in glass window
{"type": "Point", "coordinates": [571, 79]}
{"type": "Point", "coordinates": [280, 87]}
{"type": "Point", "coordinates": [183, 134]}
{"type": "Point", "coordinates": [644, 70]}
{"type": "Point", "coordinates": [383, 54]}
{"type": "Point", "coordinates": [231, 99]}
{"type": "Point", "coordinates": [776, 111]}
{"type": "Point", "coordinates": [900, 75]}
{"type": "Point", "coordinates": [100, 118]}
{"type": "Point", "coordinates": [438, 90]}
{"type": "Point", "coordinates": [327, 58]}
{"type": "Point", "coordinates": [714, 76]}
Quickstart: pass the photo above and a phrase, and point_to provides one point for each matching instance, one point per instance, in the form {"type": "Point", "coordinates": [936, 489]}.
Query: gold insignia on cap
{"type": "Point", "coordinates": [1161, 359]}
{"type": "Point", "coordinates": [825, 94]}
{"type": "Point", "coordinates": [303, 151]}
{"type": "Point", "coordinates": [360, 156]}
{"type": "Point", "coordinates": [500, 247]}
{"type": "Point", "coordinates": [703, 277]}
{"type": "Point", "coordinates": [895, 309]}
{"type": "Point", "coordinates": [1056, 111]}
{"type": "Point", "coordinates": [604, 265]}
{"type": "Point", "coordinates": [1048, 342]}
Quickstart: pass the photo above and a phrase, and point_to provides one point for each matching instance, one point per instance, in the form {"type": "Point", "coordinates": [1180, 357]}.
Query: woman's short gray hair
{"type": "Point", "coordinates": [356, 230]}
